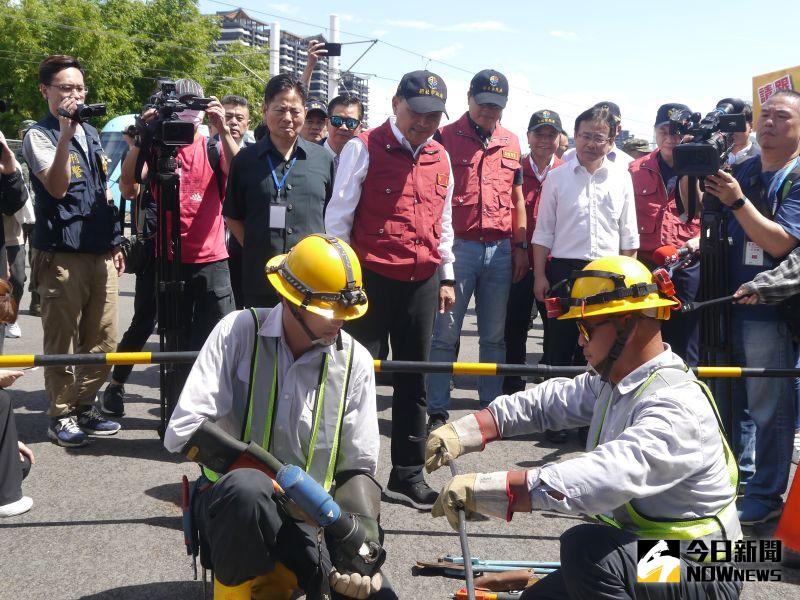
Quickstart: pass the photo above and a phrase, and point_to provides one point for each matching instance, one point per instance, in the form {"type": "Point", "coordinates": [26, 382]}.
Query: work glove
{"type": "Point", "coordinates": [354, 585]}
{"type": "Point", "coordinates": [459, 437]}
{"type": "Point", "coordinates": [475, 494]}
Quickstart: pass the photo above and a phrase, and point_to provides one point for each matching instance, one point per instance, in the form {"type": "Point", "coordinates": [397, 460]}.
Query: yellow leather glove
{"type": "Point", "coordinates": [354, 585]}
{"type": "Point", "coordinates": [475, 494]}
{"type": "Point", "coordinates": [459, 437]}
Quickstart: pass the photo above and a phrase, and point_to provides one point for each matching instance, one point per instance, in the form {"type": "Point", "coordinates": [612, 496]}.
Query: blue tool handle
{"type": "Point", "coordinates": [309, 495]}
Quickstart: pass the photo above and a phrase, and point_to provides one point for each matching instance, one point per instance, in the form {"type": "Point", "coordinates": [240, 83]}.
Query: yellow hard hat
{"type": "Point", "coordinates": [322, 275]}
{"type": "Point", "coordinates": [614, 284]}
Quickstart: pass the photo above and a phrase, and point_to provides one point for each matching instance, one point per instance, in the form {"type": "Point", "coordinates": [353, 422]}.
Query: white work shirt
{"type": "Point", "coordinates": [663, 450]}
{"type": "Point", "coordinates": [223, 369]}
{"type": "Point", "coordinates": [586, 215]}
{"type": "Point", "coordinates": [615, 155]}
{"type": "Point", "coordinates": [350, 175]}
{"type": "Point", "coordinates": [543, 174]}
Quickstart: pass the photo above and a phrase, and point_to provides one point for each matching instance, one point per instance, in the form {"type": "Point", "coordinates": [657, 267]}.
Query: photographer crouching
{"type": "Point", "coordinates": [77, 235]}
{"type": "Point", "coordinates": [206, 294]}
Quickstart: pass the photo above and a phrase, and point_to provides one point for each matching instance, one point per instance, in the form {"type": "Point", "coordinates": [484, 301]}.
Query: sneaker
{"type": "Point", "coordinates": [413, 491]}
{"type": "Point", "coordinates": [436, 421]}
{"type": "Point", "coordinates": [796, 451]}
{"type": "Point", "coordinates": [13, 330]}
{"type": "Point", "coordinates": [92, 422]}
{"type": "Point", "coordinates": [64, 431]}
{"type": "Point", "coordinates": [12, 509]}
{"type": "Point", "coordinates": [111, 402]}
{"type": "Point", "coordinates": [753, 512]}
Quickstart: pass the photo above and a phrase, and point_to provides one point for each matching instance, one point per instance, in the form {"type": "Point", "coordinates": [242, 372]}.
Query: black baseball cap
{"type": "Point", "coordinates": [424, 91]}
{"type": "Point", "coordinates": [667, 111]}
{"type": "Point", "coordinates": [489, 87]}
{"type": "Point", "coordinates": [612, 107]}
{"type": "Point", "coordinates": [545, 117]}
{"type": "Point", "coordinates": [317, 105]}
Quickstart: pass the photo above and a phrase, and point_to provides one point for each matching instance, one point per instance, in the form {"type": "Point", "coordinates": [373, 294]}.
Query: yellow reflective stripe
{"type": "Point", "coordinates": [335, 450]}
{"type": "Point", "coordinates": [17, 360]}
{"type": "Point", "coordinates": [719, 371]}
{"type": "Point", "coordinates": [319, 406]}
{"type": "Point", "coordinates": [468, 368]}
{"type": "Point", "coordinates": [730, 459]}
{"type": "Point", "coordinates": [271, 406]}
{"type": "Point", "coordinates": [377, 365]}
{"type": "Point", "coordinates": [212, 476]}
{"type": "Point", "coordinates": [676, 530]}
{"type": "Point", "coordinates": [129, 358]}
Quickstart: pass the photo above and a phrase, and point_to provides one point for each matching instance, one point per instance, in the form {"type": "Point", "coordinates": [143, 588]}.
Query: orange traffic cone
{"type": "Point", "coordinates": [788, 530]}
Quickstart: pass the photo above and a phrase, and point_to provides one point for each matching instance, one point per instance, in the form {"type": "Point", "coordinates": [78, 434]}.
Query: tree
{"type": "Point", "coordinates": [242, 71]}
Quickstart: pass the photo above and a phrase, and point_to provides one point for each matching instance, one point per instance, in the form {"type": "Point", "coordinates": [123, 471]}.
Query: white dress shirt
{"type": "Point", "coordinates": [543, 174]}
{"type": "Point", "coordinates": [586, 215]}
{"type": "Point", "coordinates": [350, 175]}
{"type": "Point", "coordinates": [223, 369]}
{"type": "Point", "coordinates": [615, 155]}
{"type": "Point", "coordinates": [662, 449]}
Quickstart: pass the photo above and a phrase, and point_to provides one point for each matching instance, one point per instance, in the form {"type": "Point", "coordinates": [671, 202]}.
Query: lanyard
{"type": "Point", "coordinates": [279, 184]}
{"type": "Point", "coordinates": [777, 182]}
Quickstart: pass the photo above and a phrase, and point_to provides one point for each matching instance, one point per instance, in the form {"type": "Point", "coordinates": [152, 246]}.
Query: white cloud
{"type": "Point", "coordinates": [478, 26]}
{"type": "Point", "coordinates": [569, 36]}
{"type": "Point", "coordinates": [412, 24]}
{"type": "Point", "coordinates": [445, 53]}
{"type": "Point", "coordinates": [289, 9]}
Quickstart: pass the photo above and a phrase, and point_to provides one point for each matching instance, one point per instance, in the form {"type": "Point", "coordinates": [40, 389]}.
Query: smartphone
{"type": "Point", "coordinates": [333, 49]}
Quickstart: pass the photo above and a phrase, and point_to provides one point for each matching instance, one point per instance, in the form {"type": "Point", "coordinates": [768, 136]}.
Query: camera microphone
{"type": "Point", "coordinates": [666, 256]}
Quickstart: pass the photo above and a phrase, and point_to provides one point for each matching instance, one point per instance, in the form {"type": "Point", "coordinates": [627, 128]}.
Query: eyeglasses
{"type": "Point", "coordinates": [68, 89]}
{"type": "Point", "coordinates": [587, 330]}
{"type": "Point", "coordinates": [348, 122]}
{"type": "Point", "coordinates": [594, 137]}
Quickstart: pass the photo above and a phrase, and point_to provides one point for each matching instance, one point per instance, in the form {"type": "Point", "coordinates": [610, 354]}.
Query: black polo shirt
{"type": "Point", "coordinates": [252, 190]}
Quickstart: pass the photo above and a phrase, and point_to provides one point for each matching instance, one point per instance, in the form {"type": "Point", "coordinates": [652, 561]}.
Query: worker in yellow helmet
{"type": "Point", "coordinates": [289, 379]}
{"type": "Point", "coordinates": [656, 466]}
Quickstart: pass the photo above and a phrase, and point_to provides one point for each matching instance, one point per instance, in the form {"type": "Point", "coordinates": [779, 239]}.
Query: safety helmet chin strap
{"type": "Point", "coordinates": [623, 333]}
{"type": "Point", "coordinates": [315, 339]}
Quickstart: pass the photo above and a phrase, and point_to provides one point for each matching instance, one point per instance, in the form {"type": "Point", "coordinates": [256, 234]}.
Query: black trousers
{"type": "Point", "coordinates": [15, 255]}
{"type": "Point", "coordinates": [561, 337]}
{"type": "Point", "coordinates": [145, 315]}
{"type": "Point", "coordinates": [402, 312]}
{"type": "Point", "coordinates": [247, 534]}
{"type": "Point", "coordinates": [518, 314]}
{"type": "Point", "coordinates": [12, 470]}
{"type": "Point", "coordinates": [599, 562]}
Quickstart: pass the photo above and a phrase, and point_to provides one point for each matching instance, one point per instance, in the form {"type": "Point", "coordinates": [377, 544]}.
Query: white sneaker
{"type": "Point", "coordinates": [796, 452]}
{"type": "Point", "coordinates": [13, 509]}
{"type": "Point", "coordinates": [13, 330]}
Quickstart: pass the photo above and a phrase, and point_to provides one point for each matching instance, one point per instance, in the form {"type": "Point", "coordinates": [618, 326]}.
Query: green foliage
{"type": "Point", "coordinates": [124, 46]}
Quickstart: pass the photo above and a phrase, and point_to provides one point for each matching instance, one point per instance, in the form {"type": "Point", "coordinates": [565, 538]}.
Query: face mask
{"type": "Point", "coordinates": [190, 116]}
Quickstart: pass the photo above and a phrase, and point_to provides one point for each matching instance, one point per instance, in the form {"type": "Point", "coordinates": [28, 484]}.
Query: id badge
{"type": "Point", "coordinates": [753, 254]}
{"type": "Point", "coordinates": [277, 217]}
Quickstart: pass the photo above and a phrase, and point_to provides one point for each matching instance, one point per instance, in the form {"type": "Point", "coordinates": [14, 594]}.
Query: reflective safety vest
{"type": "Point", "coordinates": [725, 522]}
{"type": "Point", "coordinates": [329, 405]}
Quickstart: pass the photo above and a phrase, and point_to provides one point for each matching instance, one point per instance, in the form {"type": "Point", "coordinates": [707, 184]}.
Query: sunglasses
{"type": "Point", "coordinates": [348, 122]}
{"type": "Point", "coordinates": [587, 330]}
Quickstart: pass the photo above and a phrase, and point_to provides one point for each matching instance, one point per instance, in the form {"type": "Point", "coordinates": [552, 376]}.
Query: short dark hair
{"type": "Point", "coordinates": [55, 63]}
{"type": "Point", "coordinates": [747, 111]}
{"type": "Point", "coordinates": [347, 100]}
{"type": "Point", "coordinates": [598, 114]}
{"type": "Point", "coordinates": [791, 93]}
{"type": "Point", "coordinates": [281, 83]}
{"type": "Point", "coordinates": [235, 100]}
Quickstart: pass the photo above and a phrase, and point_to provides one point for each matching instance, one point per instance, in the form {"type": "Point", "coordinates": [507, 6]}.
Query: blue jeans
{"type": "Point", "coordinates": [485, 270]}
{"type": "Point", "coordinates": [770, 401]}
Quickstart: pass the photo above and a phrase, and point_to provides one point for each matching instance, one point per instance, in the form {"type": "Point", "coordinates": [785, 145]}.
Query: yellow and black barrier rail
{"type": "Point", "coordinates": [381, 366]}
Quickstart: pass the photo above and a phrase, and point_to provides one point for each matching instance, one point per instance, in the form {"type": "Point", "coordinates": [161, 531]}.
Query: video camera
{"type": "Point", "coordinates": [84, 112]}
{"type": "Point", "coordinates": [167, 129]}
{"type": "Point", "coordinates": [713, 138]}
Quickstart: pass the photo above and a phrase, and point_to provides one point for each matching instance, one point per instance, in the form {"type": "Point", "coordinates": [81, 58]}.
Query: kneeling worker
{"type": "Point", "coordinates": [656, 466]}
{"type": "Point", "coordinates": [291, 380]}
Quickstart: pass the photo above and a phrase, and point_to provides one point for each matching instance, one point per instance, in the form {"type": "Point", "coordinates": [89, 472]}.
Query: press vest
{"type": "Point", "coordinates": [398, 222]}
{"type": "Point", "coordinates": [258, 417]}
{"type": "Point", "coordinates": [83, 220]}
{"type": "Point", "coordinates": [724, 523]}
{"type": "Point", "coordinates": [657, 213]}
{"type": "Point", "coordinates": [484, 180]}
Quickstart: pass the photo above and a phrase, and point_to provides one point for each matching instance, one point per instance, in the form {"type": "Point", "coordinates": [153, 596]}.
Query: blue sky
{"type": "Point", "coordinates": [560, 56]}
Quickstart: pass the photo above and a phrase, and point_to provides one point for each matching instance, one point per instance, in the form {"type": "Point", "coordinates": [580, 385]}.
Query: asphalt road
{"type": "Point", "coordinates": [106, 518]}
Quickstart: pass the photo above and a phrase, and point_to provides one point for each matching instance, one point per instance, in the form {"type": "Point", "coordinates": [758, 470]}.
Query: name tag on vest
{"type": "Point", "coordinates": [443, 179]}
{"type": "Point", "coordinates": [511, 154]}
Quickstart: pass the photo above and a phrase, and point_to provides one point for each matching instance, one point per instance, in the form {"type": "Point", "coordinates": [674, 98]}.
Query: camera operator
{"type": "Point", "coordinates": [763, 210]}
{"type": "Point", "coordinates": [79, 259]}
{"type": "Point", "coordinates": [207, 294]}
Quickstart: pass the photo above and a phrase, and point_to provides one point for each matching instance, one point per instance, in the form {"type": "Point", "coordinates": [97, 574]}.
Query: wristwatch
{"type": "Point", "coordinates": [523, 245]}
{"type": "Point", "coordinates": [738, 204]}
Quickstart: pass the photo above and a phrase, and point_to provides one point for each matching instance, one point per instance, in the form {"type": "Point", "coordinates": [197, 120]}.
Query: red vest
{"type": "Point", "coordinates": [657, 214]}
{"type": "Point", "coordinates": [532, 191]}
{"type": "Point", "coordinates": [398, 221]}
{"type": "Point", "coordinates": [484, 179]}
